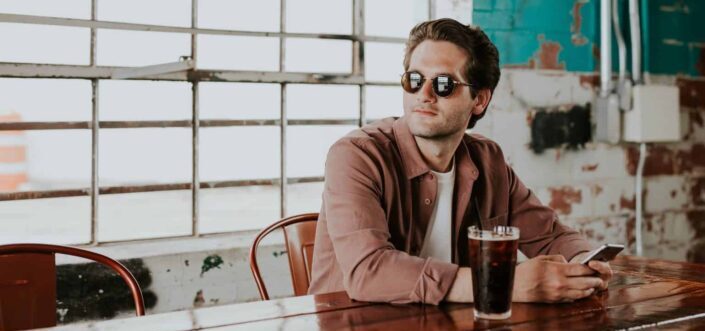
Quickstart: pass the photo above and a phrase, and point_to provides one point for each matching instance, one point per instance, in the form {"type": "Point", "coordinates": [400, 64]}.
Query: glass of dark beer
{"type": "Point", "coordinates": [493, 258]}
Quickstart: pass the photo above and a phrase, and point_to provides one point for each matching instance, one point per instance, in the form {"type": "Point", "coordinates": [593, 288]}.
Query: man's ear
{"type": "Point", "coordinates": [482, 99]}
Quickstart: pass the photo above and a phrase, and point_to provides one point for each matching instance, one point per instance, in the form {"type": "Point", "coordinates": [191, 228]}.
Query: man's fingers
{"type": "Point", "coordinates": [602, 267]}
{"type": "Point", "coordinates": [554, 258]}
{"type": "Point", "coordinates": [577, 269]}
{"type": "Point", "coordinates": [583, 283]}
{"type": "Point", "coordinates": [572, 295]}
{"type": "Point", "coordinates": [604, 270]}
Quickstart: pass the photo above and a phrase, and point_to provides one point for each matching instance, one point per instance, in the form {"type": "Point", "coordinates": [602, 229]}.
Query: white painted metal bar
{"type": "Point", "coordinates": [153, 70]}
{"type": "Point", "coordinates": [195, 128]}
{"type": "Point", "coordinates": [81, 23]}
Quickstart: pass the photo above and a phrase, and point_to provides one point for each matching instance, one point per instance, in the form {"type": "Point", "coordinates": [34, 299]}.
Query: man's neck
{"type": "Point", "coordinates": [438, 153]}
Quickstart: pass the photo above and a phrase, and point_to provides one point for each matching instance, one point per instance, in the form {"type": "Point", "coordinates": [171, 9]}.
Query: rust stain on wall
{"type": "Point", "coordinates": [591, 81]}
{"type": "Point", "coordinates": [697, 192]}
{"type": "Point", "coordinates": [697, 155]}
{"type": "Point", "coordinates": [631, 234]}
{"type": "Point", "coordinates": [590, 167]}
{"type": "Point", "coordinates": [578, 38]}
{"type": "Point", "coordinates": [626, 203]}
{"type": "Point", "coordinates": [664, 160]}
{"type": "Point", "coordinates": [547, 56]}
{"type": "Point", "coordinates": [700, 65]}
{"type": "Point", "coordinates": [597, 190]}
{"type": "Point", "coordinates": [563, 198]}
{"type": "Point", "coordinates": [692, 92]}
{"type": "Point", "coordinates": [696, 253]}
{"type": "Point", "coordinates": [696, 218]}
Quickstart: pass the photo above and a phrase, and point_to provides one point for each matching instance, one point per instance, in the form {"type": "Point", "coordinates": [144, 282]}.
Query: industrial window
{"type": "Point", "coordinates": [130, 120]}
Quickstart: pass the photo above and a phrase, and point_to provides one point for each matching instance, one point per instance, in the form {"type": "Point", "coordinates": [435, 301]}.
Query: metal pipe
{"type": "Point", "coordinates": [635, 27]}
{"type": "Point", "coordinates": [605, 48]}
{"type": "Point", "coordinates": [638, 192]}
{"type": "Point", "coordinates": [621, 46]}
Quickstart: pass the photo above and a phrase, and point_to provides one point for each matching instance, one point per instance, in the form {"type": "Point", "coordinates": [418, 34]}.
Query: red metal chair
{"type": "Point", "coordinates": [28, 283]}
{"type": "Point", "coordinates": [299, 235]}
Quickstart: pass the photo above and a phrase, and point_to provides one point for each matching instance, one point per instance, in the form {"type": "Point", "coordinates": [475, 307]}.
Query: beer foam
{"type": "Point", "coordinates": [500, 233]}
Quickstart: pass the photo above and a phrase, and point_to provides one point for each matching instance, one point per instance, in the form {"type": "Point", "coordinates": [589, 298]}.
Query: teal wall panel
{"type": "Point", "coordinates": [559, 34]}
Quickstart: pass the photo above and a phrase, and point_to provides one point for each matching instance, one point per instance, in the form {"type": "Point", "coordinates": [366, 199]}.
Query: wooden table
{"type": "Point", "coordinates": [644, 293]}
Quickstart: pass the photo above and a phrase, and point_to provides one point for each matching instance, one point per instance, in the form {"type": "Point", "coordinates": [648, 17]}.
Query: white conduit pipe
{"type": "Point", "coordinates": [635, 27]}
{"type": "Point", "coordinates": [639, 208]}
{"type": "Point", "coordinates": [605, 48]}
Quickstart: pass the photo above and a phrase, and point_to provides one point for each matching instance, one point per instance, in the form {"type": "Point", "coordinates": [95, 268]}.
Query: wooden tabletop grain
{"type": "Point", "coordinates": [644, 293]}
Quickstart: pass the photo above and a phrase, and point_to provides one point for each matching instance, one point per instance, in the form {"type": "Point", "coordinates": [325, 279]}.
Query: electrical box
{"type": "Point", "coordinates": [655, 116]}
{"type": "Point", "coordinates": [607, 119]}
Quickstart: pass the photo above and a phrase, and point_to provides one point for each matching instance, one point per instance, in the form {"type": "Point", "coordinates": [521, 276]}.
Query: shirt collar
{"type": "Point", "coordinates": [413, 162]}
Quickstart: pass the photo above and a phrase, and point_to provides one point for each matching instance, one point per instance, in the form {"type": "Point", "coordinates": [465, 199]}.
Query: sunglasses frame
{"type": "Point", "coordinates": [434, 83]}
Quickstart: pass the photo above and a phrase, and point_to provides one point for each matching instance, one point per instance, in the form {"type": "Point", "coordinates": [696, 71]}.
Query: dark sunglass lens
{"type": "Point", "coordinates": [443, 86]}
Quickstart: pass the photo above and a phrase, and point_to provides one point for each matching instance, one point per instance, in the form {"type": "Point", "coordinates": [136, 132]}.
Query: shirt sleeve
{"type": "Point", "coordinates": [373, 270]}
{"type": "Point", "coordinates": [541, 233]}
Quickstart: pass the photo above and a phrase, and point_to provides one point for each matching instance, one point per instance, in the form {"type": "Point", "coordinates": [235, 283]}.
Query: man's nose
{"type": "Point", "coordinates": [425, 94]}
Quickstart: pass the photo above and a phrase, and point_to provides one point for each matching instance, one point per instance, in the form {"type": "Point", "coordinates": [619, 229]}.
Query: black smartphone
{"type": "Point", "coordinates": [604, 253]}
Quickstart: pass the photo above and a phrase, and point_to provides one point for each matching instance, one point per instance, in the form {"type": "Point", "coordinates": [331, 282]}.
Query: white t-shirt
{"type": "Point", "coordinates": [437, 243]}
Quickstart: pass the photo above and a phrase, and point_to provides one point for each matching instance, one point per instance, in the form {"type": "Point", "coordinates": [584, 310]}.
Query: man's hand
{"type": "Point", "coordinates": [551, 279]}
{"type": "Point", "coordinates": [602, 268]}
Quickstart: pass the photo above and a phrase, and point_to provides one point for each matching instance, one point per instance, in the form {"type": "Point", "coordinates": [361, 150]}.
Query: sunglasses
{"type": "Point", "coordinates": [443, 85]}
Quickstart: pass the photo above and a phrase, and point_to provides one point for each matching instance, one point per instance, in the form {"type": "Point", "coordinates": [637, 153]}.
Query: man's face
{"type": "Point", "coordinates": [428, 115]}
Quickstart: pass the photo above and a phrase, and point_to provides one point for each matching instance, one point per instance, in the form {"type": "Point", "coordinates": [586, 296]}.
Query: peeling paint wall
{"type": "Point", "coordinates": [170, 282]}
{"type": "Point", "coordinates": [549, 56]}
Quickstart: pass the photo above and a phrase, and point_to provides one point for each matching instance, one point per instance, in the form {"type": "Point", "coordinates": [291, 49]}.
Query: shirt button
{"type": "Point", "coordinates": [427, 201]}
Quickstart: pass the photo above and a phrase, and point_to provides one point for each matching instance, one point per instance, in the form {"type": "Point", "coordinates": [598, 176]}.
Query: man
{"type": "Point", "coordinates": [400, 193]}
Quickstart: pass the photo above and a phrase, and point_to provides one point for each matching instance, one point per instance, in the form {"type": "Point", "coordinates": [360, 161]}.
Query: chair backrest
{"type": "Point", "coordinates": [28, 283]}
{"type": "Point", "coordinates": [299, 235]}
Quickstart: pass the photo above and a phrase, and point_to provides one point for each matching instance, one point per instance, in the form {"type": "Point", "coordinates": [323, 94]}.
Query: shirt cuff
{"type": "Point", "coordinates": [435, 281]}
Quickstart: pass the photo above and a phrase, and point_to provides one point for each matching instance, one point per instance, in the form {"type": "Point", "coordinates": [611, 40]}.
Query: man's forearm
{"type": "Point", "coordinates": [461, 290]}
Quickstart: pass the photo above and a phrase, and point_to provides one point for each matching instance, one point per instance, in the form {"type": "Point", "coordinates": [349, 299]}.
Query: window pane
{"type": "Point", "coordinates": [383, 101]}
{"type": "Point", "coordinates": [312, 55]}
{"type": "Point", "coordinates": [124, 100]}
{"type": "Point", "coordinates": [46, 100]}
{"type": "Point", "coordinates": [384, 62]}
{"type": "Point", "coordinates": [304, 198]}
{"type": "Point", "coordinates": [406, 14]}
{"type": "Point", "coordinates": [239, 100]}
{"type": "Point", "coordinates": [158, 12]}
{"type": "Point", "coordinates": [44, 160]}
{"type": "Point", "coordinates": [239, 153]}
{"type": "Point", "coordinates": [60, 221]}
{"type": "Point", "coordinates": [323, 101]}
{"type": "Point", "coordinates": [145, 156]}
{"type": "Point", "coordinates": [238, 53]}
{"type": "Point", "coordinates": [238, 208]}
{"type": "Point", "coordinates": [137, 48]}
{"type": "Point", "coordinates": [144, 215]}
{"type": "Point", "coordinates": [28, 43]}
{"type": "Point", "coordinates": [54, 8]}
{"type": "Point", "coordinates": [261, 15]}
{"type": "Point", "coordinates": [308, 146]}
{"type": "Point", "coordinates": [57, 159]}
{"type": "Point", "coordinates": [337, 18]}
